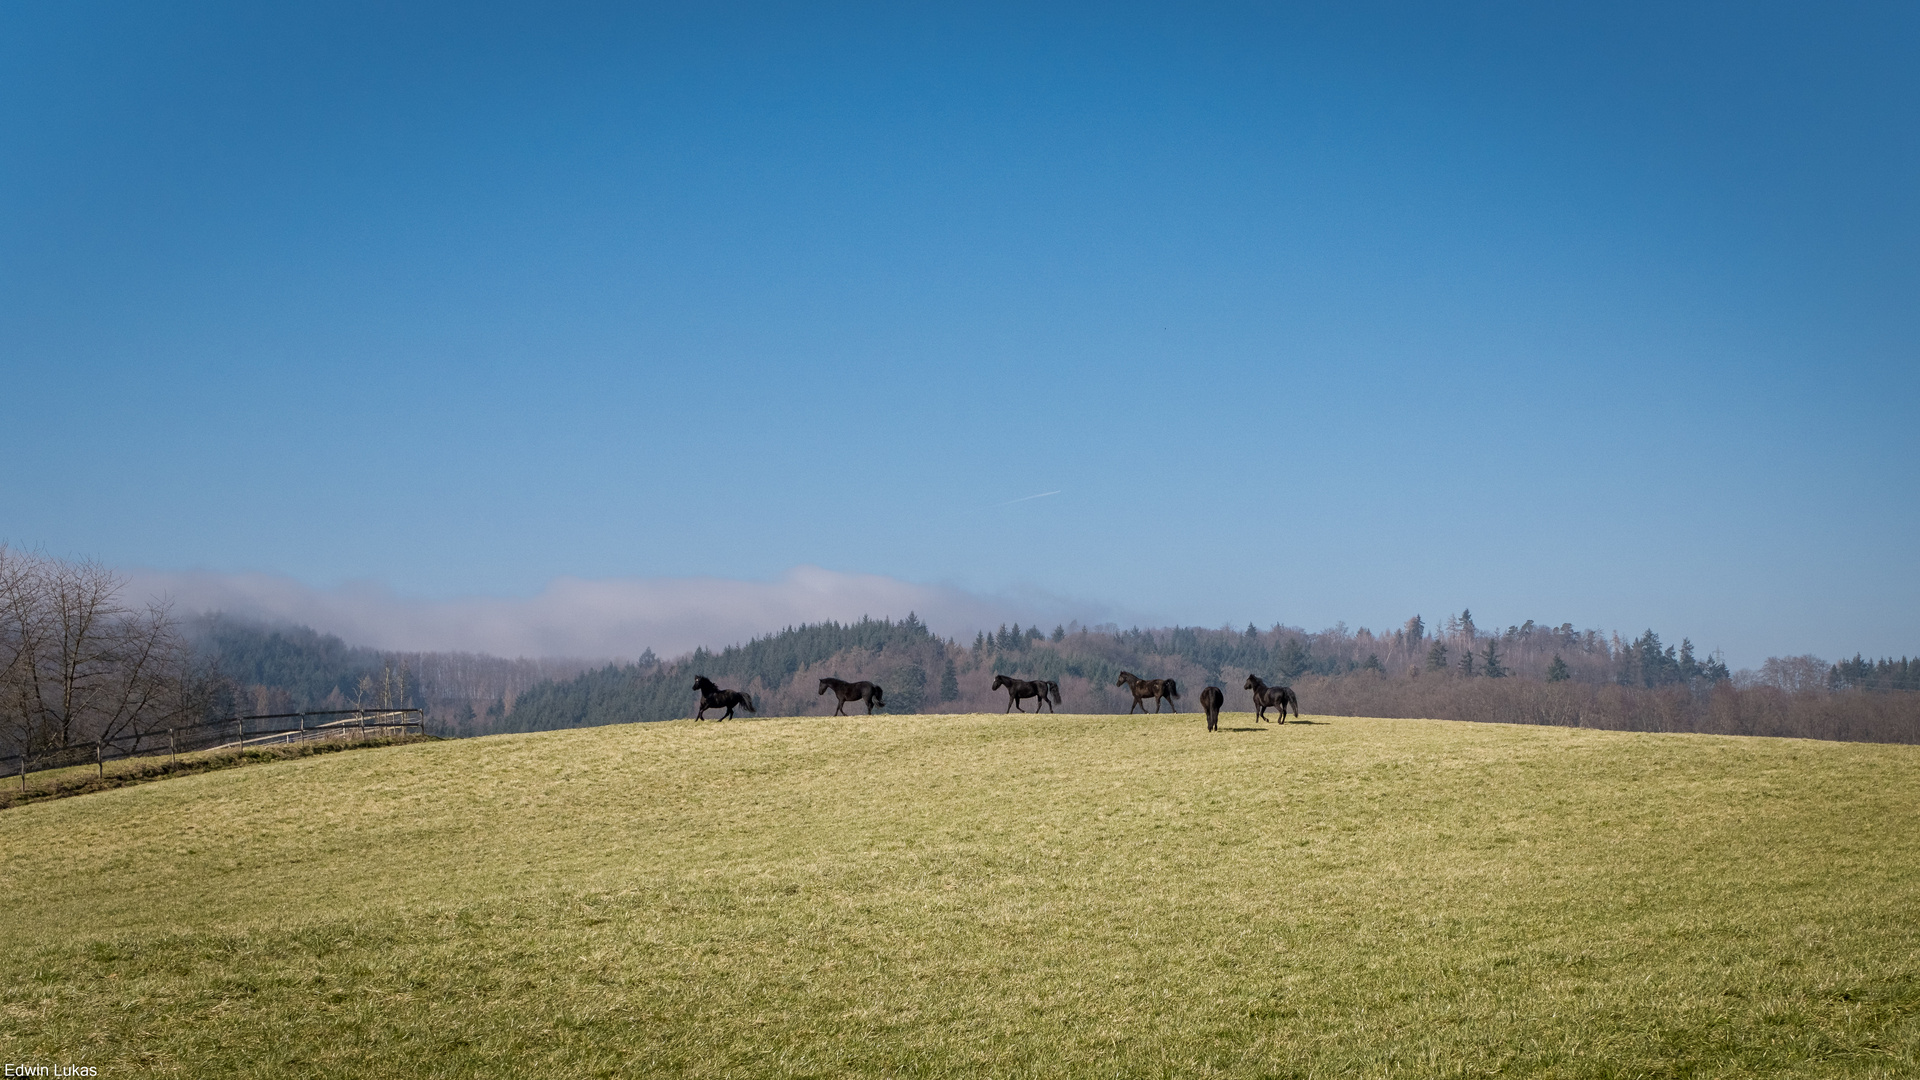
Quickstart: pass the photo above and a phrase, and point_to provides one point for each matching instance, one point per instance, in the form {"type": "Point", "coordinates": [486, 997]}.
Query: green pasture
{"type": "Point", "coordinates": [983, 896]}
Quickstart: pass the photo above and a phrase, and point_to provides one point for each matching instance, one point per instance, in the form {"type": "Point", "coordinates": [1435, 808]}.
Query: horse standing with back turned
{"type": "Point", "coordinates": [1211, 699]}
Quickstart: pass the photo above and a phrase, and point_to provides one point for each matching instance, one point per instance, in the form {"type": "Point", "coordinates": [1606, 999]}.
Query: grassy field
{"type": "Point", "coordinates": [984, 895]}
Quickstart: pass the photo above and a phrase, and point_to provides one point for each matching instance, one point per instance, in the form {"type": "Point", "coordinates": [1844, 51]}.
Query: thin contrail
{"type": "Point", "coordinates": [1024, 498]}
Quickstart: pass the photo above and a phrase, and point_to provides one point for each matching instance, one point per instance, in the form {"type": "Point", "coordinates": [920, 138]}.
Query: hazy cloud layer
{"type": "Point", "coordinates": [617, 618]}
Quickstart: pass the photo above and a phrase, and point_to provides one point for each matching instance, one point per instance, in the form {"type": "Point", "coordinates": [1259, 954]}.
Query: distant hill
{"type": "Point", "coordinates": [270, 669]}
{"type": "Point", "coordinates": [1529, 673]}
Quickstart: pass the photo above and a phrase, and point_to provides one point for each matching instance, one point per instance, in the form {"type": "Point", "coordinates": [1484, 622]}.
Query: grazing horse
{"type": "Point", "coordinates": [1157, 689]}
{"type": "Point", "coordinates": [712, 697]}
{"type": "Point", "coordinates": [1264, 695]}
{"type": "Point", "coordinates": [853, 691]}
{"type": "Point", "coordinates": [1022, 688]}
{"type": "Point", "coordinates": [1211, 699]}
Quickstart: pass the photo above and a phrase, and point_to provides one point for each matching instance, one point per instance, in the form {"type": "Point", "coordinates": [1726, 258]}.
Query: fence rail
{"type": "Point", "coordinates": [233, 732]}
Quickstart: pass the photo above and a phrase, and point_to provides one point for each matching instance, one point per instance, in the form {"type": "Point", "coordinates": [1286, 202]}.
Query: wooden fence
{"type": "Point", "coordinates": [231, 733]}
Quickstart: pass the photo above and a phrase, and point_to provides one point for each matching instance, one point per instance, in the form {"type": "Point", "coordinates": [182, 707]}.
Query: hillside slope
{"type": "Point", "coordinates": [968, 895]}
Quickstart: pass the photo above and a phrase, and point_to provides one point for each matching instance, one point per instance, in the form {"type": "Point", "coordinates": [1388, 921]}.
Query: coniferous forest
{"type": "Point", "coordinates": [1453, 669]}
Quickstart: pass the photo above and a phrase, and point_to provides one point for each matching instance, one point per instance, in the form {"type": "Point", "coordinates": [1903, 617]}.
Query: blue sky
{"type": "Point", "coordinates": [1316, 313]}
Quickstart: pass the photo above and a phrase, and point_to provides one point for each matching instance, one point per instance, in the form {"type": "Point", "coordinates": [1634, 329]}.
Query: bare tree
{"type": "Point", "coordinates": [82, 668]}
{"type": "Point", "coordinates": [20, 630]}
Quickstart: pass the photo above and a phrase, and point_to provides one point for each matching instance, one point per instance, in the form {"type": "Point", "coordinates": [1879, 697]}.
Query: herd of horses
{"type": "Point", "coordinates": [1046, 692]}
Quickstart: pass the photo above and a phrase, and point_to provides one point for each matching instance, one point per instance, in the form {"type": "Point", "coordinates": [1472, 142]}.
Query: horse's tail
{"type": "Point", "coordinates": [1053, 691]}
{"type": "Point", "coordinates": [879, 695]}
{"type": "Point", "coordinates": [1173, 688]}
{"type": "Point", "coordinates": [746, 700]}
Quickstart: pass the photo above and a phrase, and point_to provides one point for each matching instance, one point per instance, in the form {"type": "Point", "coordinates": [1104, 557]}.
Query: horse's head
{"type": "Point", "coordinates": [1124, 678]}
{"type": "Point", "coordinates": [1252, 681]}
{"type": "Point", "coordinates": [1000, 681]}
{"type": "Point", "coordinates": [705, 685]}
{"type": "Point", "coordinates": [823, 686]}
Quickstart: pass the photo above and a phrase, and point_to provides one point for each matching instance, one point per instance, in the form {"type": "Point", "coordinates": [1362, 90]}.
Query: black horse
{"type": "Point", "coordinates": [712, 697]}
{"type": "Point", "coordinates": [853, 691]}
{"type": "Point", "coordinates": [1211, 699]}
{"type": "Point", "coordinates": [1264, 696]}
{"type": "Point", "coordinates": [1157, 689]}
{"type": "Point", "coordinates": [1019, 689]}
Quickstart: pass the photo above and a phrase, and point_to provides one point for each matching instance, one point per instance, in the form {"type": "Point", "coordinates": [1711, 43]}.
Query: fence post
{"type": "Point", "coordinates": [173, 752]}
{"type": "Point", "coordinates": [23, 770]}
{"type": "Point", "coordinates": [99, 760]}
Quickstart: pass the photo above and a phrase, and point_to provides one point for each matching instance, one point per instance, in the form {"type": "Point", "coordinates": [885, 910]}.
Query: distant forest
{"type": "Point", "coordinates": [1526, 673]}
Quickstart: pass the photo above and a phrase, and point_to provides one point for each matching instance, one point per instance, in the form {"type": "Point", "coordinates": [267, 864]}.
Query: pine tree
{"type": "Point", "coordinates": [1059, 633]}
{"type": "Point", "coordinates": [949, 682]}
{"type": "Point", "coordinates": [1437, 657]}
{"type": "Point", "coordinates": [1557, 671]}
{"type": "Point", "coordinates": [1689, 668]}
{"type": "Point", "coordinates": [1493, 668]}
{"type": "Point", "coordinates": [1466, 663]}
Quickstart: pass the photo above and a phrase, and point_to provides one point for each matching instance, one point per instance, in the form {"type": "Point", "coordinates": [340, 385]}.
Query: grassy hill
{"type": "Point", "coordinates": [984, 895]}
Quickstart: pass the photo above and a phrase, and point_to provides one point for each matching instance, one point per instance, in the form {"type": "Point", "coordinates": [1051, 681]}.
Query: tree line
{"type": "Point", "coordinates": [1527, 673]}
{"type": "Point", "coordinates": [81, 664]}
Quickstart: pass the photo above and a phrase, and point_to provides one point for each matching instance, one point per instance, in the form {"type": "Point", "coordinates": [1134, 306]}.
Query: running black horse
{"type": "Point", "coordinates": [1211, 699]}
{"type": "Point", "coordinates": [1157, 689]}
{"type": "Point", "coordinates": [1264, 696]}
{"type": "Point", "coordinates": [853, 691]}
{"type": "Point", "coordinates": [712, 697]}
{"type": "Point", "coordinates": [1020, 689]}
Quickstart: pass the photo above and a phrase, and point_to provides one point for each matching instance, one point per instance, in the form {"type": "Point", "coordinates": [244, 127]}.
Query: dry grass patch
{"type": "Point", "coordinates": [985, 895]}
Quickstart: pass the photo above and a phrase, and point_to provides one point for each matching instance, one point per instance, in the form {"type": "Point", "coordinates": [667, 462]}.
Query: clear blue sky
{"type": "Point", "coordinates": [1344, 312]}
